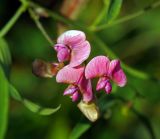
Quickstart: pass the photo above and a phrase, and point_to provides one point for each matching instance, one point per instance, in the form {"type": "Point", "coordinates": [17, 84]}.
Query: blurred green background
{"type": "Point", "coordinates": [136, 42]}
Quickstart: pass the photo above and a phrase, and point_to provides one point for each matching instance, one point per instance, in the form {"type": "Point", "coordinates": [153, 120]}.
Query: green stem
{"type": "Point", "coordinates": [103, 13]}
{"type": "Point", "coordinates": [13, 20]}
{"type": "Point", "coordinates": [40, 26]}
{"type": "Point", "coordinates": [126, 18]}
{"type": "Point", "coordinates": [53, 14]}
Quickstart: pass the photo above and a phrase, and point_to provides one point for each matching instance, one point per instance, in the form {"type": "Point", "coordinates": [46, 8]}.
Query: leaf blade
{"type": "Point", "coordinates": [33, 107]}
{"type": "Point", "coordinates": [3, 104]}
{"type": "Point", "coordinates": [5, 56]}
{"type": "Point", "coordinates": [79, 129]}
{"type": "Point", "coordinates": [114, 10]}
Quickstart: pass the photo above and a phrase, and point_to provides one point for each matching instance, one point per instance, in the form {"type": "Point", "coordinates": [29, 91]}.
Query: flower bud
{"type": "Point", "coordinates": [90, 110]}
{"type": "Point", "coordinates": [45, 69]}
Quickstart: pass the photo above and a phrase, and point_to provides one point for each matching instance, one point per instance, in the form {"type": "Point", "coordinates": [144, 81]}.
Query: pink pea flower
{"type": "Point", "coordinates": [78, 84]}
{"type": "Point", "coordinates": [106, 70]}
{"type": "Point", "coordinates": [72, 46]}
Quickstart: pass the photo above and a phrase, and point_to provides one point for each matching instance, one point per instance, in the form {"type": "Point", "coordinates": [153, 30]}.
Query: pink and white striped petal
{"type": "Point", "coordinates": [69, 75]}
{"type": "Point", "coordinates": [80, 53]}
{"type": "Point", "coordinates": [97, 67]}
{"type": "Point", "coordinates": [101, 83]}
{"type": "Point", "coordinates": [71, 89]}
{"type": "Point", "coordinates": [75, 96]}
{"type": "Point", "coordinates": [71, 38]}
{"type": "Point", "coordinates": [108, 87]}
{"type": "Point", "coordinates": [116, 73]}
{"type": "Point", "coordinates": [85, 87]}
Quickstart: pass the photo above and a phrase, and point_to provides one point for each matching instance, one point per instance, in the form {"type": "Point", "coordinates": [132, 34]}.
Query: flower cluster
{"type": "Point", "coordinates": [72, 51]}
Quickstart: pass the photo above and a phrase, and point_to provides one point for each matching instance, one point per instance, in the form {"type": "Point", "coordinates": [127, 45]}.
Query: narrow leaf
{"type": "Point", "coordinates": [114, 10]}
{"type": "Point", "coordinates": [38, 109]}
{"type": "Point", "coordinates": [14, 93]}
{"type": "Point", "coordinates": [5, 56]}
{"type": "Point", "coordinates": [79, 129]}
{"type": "Point", "coordinates": [49, 111]}
{"type": "Point", "coordinates": [3, 104]}
{"type": "Point", "coordinates": [31, 105]}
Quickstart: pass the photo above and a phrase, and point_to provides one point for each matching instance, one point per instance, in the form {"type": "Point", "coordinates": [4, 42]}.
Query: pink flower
{"type": "Point", "coordinates": [78, 84]}
{"type": "Point", "coordinates": [107, 70]}
{"type": "Point", "coordinates": [72, 46]}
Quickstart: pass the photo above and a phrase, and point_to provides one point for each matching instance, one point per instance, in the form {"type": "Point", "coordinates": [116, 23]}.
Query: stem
{"type": "Point", "coordinates": [13, 20]}
{"type": "Point", "coordinates": [53, 14]}
{"type": "Point", "coordinates": [40, 26]}
{"type": "Point", "coordinates": [127, 18]}
{"type": "Point", "coordinates": [103, 13]}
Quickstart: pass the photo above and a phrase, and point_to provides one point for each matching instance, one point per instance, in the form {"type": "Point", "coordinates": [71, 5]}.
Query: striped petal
{"type": "Point", "coordinates": [71, 89]}
{"type": "Point", "coordinates": [85, 87]}
{"type": "Point", "coordinates": [69, 75]}
{"type": "Point", "coordinates": [108, 87]}
{"type": "Point", "coordinates": [80, 53]}
{"type": "Point", "coordinates": [101, 83]}
{"type": "Point", "coordinates": [75, 96]}
{"type": "Point", "coordinates": [116, 73]}
{"type": "Point", "coordinates": [71, 38]}
{"type": "Point", "coordinates": [97, 67]}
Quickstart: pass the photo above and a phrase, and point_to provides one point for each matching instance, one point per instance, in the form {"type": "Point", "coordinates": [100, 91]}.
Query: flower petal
{"type": "Point", "coordinates": [116, 73]}
{"type": "Point", "coordinates": [108, 87]}
{"type": "Point", "coordinates": [97, 67]}
{"type": "Point", "coordinates": [70, 90]}
{"type": "Point", "coordinates": [85, 87]}
{"type": "Point", "coordinates": [63, 53]}
{"type": "Point", "coordinates": [101, 83]}
{"type": "Point", "coordinates": [69, 75]}
{"type": "Point", "coordinates": [75, 96]}
{"type": "Point", "coordinates": [80, 53]}
{"type": "Point", "coordinates": [71, 37]}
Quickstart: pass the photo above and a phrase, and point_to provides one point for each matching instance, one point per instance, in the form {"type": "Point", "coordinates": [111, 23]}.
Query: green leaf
{"type": "Point", "coordinates": [38, 109]}
{"type": "Point", "coordinates": [79, 129]}
{"type": "Point", "coordinates": [5, 57]}
{"type": "Point", "coordinates": [114, 10]}
{"type": "Point", "coordinates": [31, 105]}
{"type": "Point", "coordinates": [3, 103]}
{"type": "Point", "coordinates": [102, 14]}
{"type": "Point", "coordinates": [49, 111]}
{"type": "Point", "coordinates": [14, 93]}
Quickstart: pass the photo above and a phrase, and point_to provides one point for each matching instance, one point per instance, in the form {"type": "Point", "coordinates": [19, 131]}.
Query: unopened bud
{"type": "Point", "coordinates": [41, 12]}
{"type": "Point", "coordinates": [90, 110]}
{"type": "Point", "coordinates": [45, 69]}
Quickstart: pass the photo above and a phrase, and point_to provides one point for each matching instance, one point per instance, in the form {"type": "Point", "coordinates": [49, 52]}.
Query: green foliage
{"type": "Point", "coordinates": [30, 105]}
{"type": "Point", "coordinates": [114, 10]}
{"type": "Point", "coordinates": [5, 57]}
{"type": "Point", "coordinates": [79, 129]}
{"type": "Point", "coordinates": [3, 103]}
{"type": "Point", "coordinates": [5, 60]}
{"type": "Point", "coordinates": [38, 109]}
